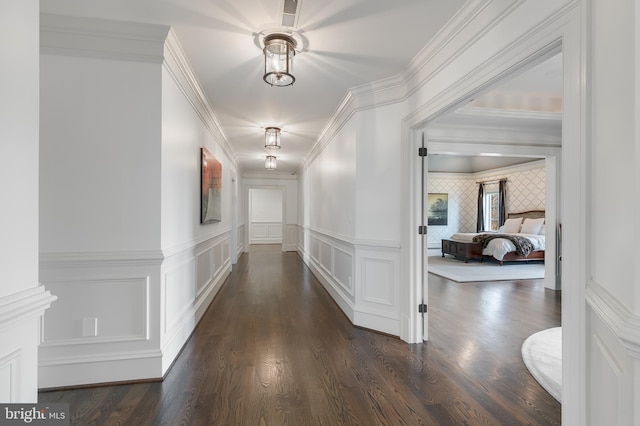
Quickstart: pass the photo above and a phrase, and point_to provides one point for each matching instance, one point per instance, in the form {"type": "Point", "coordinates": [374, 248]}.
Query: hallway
{"type": "Point", "coordinates": [274, 349]}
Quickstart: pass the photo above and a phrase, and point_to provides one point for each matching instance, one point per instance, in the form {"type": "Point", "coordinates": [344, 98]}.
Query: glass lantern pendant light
{"type": "Point", "coordinates": [270, 163]}
{"type": "Point", "coordinates": [279, 50]}
{"type": "Point", "coordinates": [272, 137]}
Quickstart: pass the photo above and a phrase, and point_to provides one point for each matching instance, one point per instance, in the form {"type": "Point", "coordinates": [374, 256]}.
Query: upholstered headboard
{"type": "Point", "coordinates": [530, 214]}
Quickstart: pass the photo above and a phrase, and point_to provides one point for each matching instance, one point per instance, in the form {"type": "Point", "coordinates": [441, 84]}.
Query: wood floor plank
{"type": "Point", "coordinates": [274, 349]}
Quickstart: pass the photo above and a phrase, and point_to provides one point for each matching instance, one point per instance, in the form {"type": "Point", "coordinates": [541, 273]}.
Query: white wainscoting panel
{"type": "Point", "coordinates": [206, 267]}
{"type": "Point", "coordinates": [179, 292]}
{"type": "Point", "coordinates": [377, 287]}
{"type": "Point", "coordinates": [20, 330]}
{"type": "Point", "coordinates": [119, 307]}
{"type": "Point", "coordinates": [146, 305]}
{"type": "Point", "coordinates": [325, 256]}
{"type": "Point", "coordinates": [343, 269]}
{"type": "Point", "coordinates": [290, 242]}
{"type": "Point", "coordinates": [192, 278]}
{"type": "Point", "coordinates": [362, 278]}
{"type": "Point", "coordinates": [8, 372]}
{"type": "Point", "coordinates": [105, 326]}
{"type": "Point", "coordinates": [240, 241]}
{"type": "Point", "coordinates": [377, 275]}
{"type": "Point", "coordinates": [266, 233]}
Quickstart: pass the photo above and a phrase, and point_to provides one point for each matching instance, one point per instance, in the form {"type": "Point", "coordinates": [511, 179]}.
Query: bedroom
{"type": "Point", "coordinates": [525, 182]}
{"type": "Point", "coordinates": [512, 132]}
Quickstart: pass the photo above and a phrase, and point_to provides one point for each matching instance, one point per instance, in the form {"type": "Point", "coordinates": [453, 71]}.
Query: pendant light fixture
{"type": "Point", "coordinates": [279, 50]}
{"type": "Point", "coordinates": [272, 137]}
{"type": "Point", "coordinates": [270, 162]}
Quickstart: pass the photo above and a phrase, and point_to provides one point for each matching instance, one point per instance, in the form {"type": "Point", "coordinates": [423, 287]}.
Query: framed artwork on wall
{"type": "Point", "coordinates": [437, 208]}
{"type": "Point", "coordinates": [211, 188]}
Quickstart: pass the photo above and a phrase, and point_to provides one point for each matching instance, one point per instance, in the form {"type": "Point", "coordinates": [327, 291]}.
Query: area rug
{"type": "Point", "coordinates": [456, 270]}
{"type": "Point", "coordinates": [542, 354]}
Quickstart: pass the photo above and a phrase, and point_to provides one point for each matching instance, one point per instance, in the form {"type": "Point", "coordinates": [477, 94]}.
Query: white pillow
{"type": "Point", "coordinates": [512, 226]}
{"type": "Point", "coordinates": [532, 226]}
{"type": "Point", "coordinates": [541, 230]}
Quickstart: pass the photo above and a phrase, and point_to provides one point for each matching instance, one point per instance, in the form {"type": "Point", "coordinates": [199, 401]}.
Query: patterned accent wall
{"type": "Point", "coordinates": [462, 207]}
{"type": "Point", "coordinates": [526, 190]}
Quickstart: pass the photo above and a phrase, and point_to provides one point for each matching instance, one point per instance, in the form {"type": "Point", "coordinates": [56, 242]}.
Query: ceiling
{"type": "Point", "coordinates": [528, 102]}
{"type": "Point", "coordinates": [346, 43]}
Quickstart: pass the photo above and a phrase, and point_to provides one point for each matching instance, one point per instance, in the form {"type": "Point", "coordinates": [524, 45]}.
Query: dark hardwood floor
{"type": "Point", "coordinates": [274, 349]}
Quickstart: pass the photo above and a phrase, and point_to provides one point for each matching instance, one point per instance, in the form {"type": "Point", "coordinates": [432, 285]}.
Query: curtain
{"type": "Point", "coordinates": [480, 223]}
{"type": "Point", "coordinates": [502, 206]}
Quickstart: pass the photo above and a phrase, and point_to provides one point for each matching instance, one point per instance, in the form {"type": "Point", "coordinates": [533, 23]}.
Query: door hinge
{"type": "Point", "coordinates": [422, 152]}
{"type": "Point", "coordinates": [422, 308]}
{"type": "Point", "coordinates": [422, 230]}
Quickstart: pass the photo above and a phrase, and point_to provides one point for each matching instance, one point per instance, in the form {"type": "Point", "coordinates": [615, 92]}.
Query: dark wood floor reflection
{"type": "Point", "coordinates": [274, 349]}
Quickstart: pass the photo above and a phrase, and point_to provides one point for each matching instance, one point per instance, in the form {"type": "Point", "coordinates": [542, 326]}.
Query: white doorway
{"type": "Point", "coordinates": [498, 131]}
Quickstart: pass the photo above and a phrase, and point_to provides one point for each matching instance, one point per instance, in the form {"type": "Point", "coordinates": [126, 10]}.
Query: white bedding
{"type": "Point", "coordinates": [499, 247]}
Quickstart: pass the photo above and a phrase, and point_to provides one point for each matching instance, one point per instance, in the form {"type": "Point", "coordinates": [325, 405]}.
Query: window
{"type": "Point", "coordinates": [491, 209]}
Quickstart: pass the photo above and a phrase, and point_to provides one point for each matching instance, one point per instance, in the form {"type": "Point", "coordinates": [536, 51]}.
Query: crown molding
{"type": "Point", "coordinates": [102, 38]}
{"type": "Point", "coordinates": [273, 175]}
{"type": "Point", "coordinates": [461, 32]}
{"type": "Point", "coordinates": [495, 136]}
{"type": "Point", "coordinates": [517, 168]}
{"type": "Point", "coordinates": [420, 70]}
{"type": "Point", "coordinates": [178, 66]}
{"type": "Point", "coordinates": [509, 113]}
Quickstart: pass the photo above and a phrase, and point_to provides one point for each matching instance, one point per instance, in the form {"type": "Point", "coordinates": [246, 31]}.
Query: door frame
{"type": "Point", "coordinates": [567, 35]}
{"type": "Point", "coordinates": [247, 213]}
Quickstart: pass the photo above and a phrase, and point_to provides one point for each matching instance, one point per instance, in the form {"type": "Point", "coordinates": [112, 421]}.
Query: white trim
{"type": "Point", "coordinates": [102, 38]}
{"type": "Point", "coordinates": [356, 242]}
{"type": "Point", "coordinates": [101, 357]}
{"type": "Point", "coordinates": [621, 320]}
{"type": "Point", "coordinates": [532, 165]}
{"type": "Point", "coordinates": [24, 304]}
{"type": "Point", "coordinates": [269, 175]}
{"type": "Point", "coordinates": [489, 136]}
{"type": "Point", "coordinates": [178, 66]}
{"type": "Point", "coordinates": [100, 258]}
{"type": "Point", "coordinates": [560, 26]}
{"type": "Point", "coordinates": [189, 246]}
{"type": "Point", "coordinates": [399, 87]}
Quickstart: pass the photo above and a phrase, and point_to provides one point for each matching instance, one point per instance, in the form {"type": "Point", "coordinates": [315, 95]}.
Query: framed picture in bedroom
{"type": "Point", "coordinates": [437, 209]}
{"type": "Point", "coordinates": [211, 188]}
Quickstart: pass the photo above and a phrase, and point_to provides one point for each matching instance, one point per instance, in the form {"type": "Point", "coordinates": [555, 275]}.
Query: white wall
{"type": "Point", "coordinates": [266, 205]}
{"type": "Point", "coordinates": [378, 202]}
{"type": "Point", "coordinates": [100, 155]}
{"type": "Point", "coordinates": [329, 186]}
{"type": "Point", "coordinates": [349, 235]}
{"type": "Point", "coordinates": [22, 300]}
{"type": "Point", "coordinates": [197, 257]}
{"type": "Point", "coordinates": [612, 287]}
{"type": "Point", "coordinates": [100, 201]}
{"type": "Point", "coordinates": [121, 242]}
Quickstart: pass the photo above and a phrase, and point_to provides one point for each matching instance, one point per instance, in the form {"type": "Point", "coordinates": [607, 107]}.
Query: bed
{"type": "Point", "coordinates": [501, 245]}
